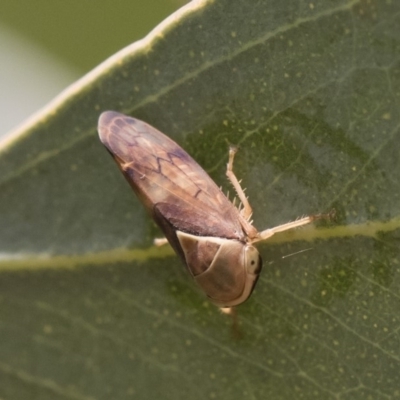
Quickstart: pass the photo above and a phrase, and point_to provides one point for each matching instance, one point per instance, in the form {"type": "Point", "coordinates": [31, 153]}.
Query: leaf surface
{"type": "Point", "coordinates": [310, 92]}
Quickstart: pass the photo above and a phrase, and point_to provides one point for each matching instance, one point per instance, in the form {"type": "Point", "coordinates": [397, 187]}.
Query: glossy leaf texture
{"type": "Point", "coordinates": [90, 309]}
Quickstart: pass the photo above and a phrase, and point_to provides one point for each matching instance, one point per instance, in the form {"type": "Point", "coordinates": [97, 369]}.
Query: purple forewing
{"type": "Point", "coordinates": [168, 181]}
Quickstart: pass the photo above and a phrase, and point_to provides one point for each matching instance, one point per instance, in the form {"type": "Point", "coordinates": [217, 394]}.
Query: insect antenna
{"type": "Point", "coordinates": [290, 255]}
{"type": "Point", "coordinates": [298, 252]}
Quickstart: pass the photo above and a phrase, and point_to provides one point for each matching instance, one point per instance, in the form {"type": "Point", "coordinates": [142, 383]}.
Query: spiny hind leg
{"type": "Point", "coordinates": [246, 211]}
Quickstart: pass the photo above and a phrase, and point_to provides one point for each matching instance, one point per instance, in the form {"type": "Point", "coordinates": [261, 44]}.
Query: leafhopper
{"type": "Point", "coordinates": [213, 238]}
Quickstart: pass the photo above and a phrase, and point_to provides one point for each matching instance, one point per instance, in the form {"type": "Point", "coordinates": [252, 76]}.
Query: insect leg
{"type": "Point", "coordinates": [232, 312]}
{"type": "Point", "coordinates": [267, 233]}
{"type": "Point", "coordinates": [160, 241]}
{"type": "Point", "coordinates": [247, 210]}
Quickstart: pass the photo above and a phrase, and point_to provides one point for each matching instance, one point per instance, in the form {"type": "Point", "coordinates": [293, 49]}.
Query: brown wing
{"type": "Point", "coordinates": [167, 180]}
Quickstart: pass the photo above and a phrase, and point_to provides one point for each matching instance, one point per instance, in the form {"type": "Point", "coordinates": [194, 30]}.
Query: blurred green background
{"type": "Point", "coordinates": [46, 45]}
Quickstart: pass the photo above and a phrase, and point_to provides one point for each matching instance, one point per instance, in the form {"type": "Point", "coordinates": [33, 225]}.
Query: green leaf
{"type": "Point", "coordinates": [310, 91]}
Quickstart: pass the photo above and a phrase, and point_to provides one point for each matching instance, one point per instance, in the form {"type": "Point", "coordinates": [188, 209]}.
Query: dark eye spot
{"type": "Point", "coordinates": [252, 262]}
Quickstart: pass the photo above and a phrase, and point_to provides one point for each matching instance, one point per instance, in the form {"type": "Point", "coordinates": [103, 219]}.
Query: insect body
{"type": "Point", "coordinates": [212, 237]}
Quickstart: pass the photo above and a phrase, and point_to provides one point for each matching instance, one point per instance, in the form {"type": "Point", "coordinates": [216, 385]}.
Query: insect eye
{"type": "Point", "coordinates": [252, 260]}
